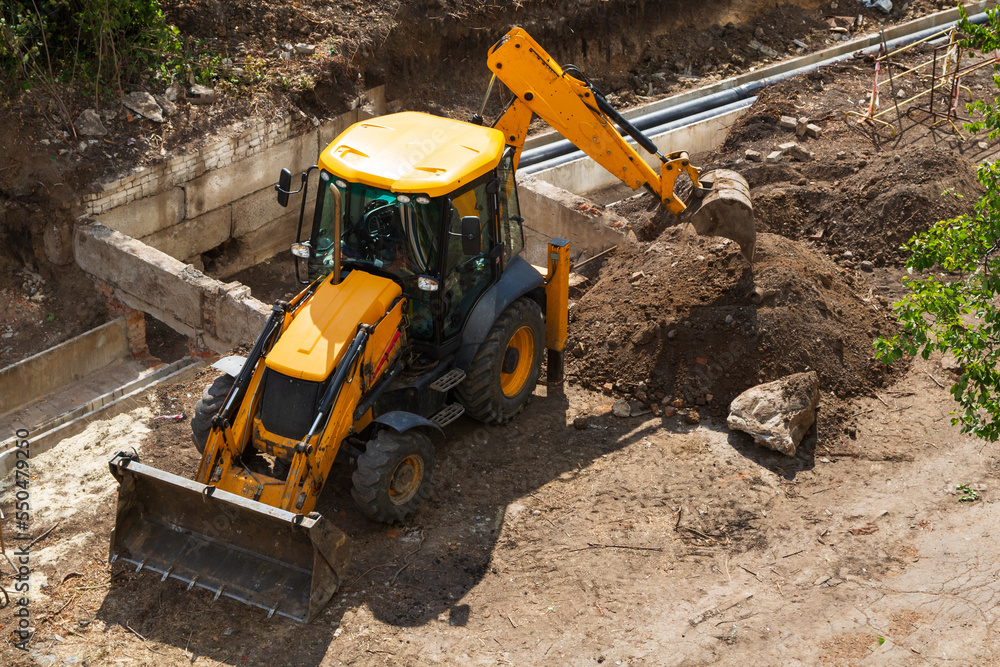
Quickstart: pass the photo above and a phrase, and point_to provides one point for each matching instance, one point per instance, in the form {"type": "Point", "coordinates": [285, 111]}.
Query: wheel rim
{"type": "Point", "coordinates": [511, 384]}
{"type": "Point", "coordinates": [406, 480]}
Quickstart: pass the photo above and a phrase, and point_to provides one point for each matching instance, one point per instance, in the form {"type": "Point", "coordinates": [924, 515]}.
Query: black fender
{"type": "Point", "coordinates": [519, 278]}
{"type": "Point", "coordinates": [402, 421]}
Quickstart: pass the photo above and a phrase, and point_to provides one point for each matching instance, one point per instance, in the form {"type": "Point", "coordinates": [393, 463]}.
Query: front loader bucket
{"type": "Point", "coordinates": [725, 210]}
{"type": "Point", "coordinates": [282, 562]}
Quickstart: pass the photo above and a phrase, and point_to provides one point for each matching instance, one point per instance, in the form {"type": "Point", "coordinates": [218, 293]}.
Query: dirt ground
{"type": "Point", "coordinates": [575, 537]}
{"type": "Point", "coordinates": [632, 541]}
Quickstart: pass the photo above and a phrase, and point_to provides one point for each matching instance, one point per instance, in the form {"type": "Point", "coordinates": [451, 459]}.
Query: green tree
{"type": "Point", "coordinates": [104, 43]}
{"type": "Point", "coordinates": [953, 304]}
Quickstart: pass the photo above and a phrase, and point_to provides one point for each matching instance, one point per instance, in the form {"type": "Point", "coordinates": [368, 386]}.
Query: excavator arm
{"type": "Point", "coordinates": [719, 203]}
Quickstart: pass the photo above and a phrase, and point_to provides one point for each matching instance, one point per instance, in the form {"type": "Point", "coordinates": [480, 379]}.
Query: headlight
{"type": "Point", "coordinates": [426, 284]}
{"type": "Point", "coordinates": [301, 250]}
{"type": "Point", "coordinates": [403, 199]}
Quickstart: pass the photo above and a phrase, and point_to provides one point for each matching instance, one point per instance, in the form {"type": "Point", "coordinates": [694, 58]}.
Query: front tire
{"type": "Point", "coordinates": [206, 408]}
{"type": "Point", "coordinates": [505, 370]}
{"type": "Point", "coordinates": [394, 475]}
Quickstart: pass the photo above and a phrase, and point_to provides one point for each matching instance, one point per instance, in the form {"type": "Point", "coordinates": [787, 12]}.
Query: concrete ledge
{"type": "Point", "coordinates": [40, 374]}
{"type": "Point", "coordinates": [179, 295]}
{"type": "Point", "coordinates": [136, 269]}
{"type": "Point", "coordinates": [550, 211]}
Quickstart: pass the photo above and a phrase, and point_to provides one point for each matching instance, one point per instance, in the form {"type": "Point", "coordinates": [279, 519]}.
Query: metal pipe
{"type": "Point", "coordinates": [688, 111]}
{"type": "Point", "coordinates": [690, 120]}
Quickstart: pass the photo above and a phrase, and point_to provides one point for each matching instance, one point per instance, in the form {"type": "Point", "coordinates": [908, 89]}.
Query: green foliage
{"type": "Point", "coordinates": [985, 39]}
{"type": "Point", "coordinates": [954, 283]}
{"type": "Point", "coordinates": [106, 43]}
{"type": "Point", "coordinates": [969, 494]}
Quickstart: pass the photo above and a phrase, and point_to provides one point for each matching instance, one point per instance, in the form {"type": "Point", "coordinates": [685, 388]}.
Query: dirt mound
{"type": "Point", "coordinates": [679, 317]}
{"type": "Point", "coordinates": [854, 195]}
{"type": "Point", "coordinates": [868, 205]}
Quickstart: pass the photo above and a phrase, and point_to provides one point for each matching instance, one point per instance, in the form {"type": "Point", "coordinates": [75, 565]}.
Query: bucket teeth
{"type": "Point", "coordinates": [282, 562]}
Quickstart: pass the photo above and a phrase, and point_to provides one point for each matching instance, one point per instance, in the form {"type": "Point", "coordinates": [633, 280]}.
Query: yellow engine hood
{"type": "Point", "coordinates": [314, 342]}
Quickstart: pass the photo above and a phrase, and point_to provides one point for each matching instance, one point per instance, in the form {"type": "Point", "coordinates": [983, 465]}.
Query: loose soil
{"type": "Point", "coordinates": [679, 318]}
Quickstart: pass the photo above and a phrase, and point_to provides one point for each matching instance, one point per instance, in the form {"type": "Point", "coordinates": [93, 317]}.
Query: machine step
{"type": "Point", "coordinates": [448, 414]}
{"type": "Point", "coordinates": [449, 380]}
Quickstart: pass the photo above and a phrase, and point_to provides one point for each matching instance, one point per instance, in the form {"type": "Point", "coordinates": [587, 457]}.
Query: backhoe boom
{"type": "Point", "coordinates": [719, 203]}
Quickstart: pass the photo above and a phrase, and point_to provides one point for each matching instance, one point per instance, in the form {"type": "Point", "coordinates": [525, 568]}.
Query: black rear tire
{"type": "Point", "coordinates": [483, 391]}
{"type": "Point", "coordinates": [206, 408]}
{"type": "Point", "coordinates": [394, 475]}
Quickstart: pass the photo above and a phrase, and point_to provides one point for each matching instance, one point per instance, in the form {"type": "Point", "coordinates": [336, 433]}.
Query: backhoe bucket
{"type": "Point", "coordinates": [725, 210]}
{"type": "Point", "coordinates": [282, 562]}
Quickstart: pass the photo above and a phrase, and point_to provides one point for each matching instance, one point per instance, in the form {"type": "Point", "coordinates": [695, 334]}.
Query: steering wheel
{"type": "Point", "coordinates": [377, 226]}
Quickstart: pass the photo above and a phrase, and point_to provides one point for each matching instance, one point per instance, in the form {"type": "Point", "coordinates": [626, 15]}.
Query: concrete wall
{"type": "Point", "coordinates": [40, 374]}
{"type": "Point", "coordinates": [224, 191]}
{"type": "Point", "coordinates": [550, 211]}
{"type": "Point", "coordinates": [217, 315]}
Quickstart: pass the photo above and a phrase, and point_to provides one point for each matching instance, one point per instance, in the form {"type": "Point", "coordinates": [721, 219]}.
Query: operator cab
{"type": "Point", "coordinates": [426, 201]}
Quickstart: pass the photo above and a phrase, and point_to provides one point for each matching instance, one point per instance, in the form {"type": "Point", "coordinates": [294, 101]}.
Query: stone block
{"type": "Point", "coordinates": [219, 187]}
{"type": "Point", "coordinates": [800, 127]}
{"type": "Point", "coordinates": [774, 156]}
{"type": "Point", "coordinates": [777, 414]}
{"type": "Point", "coordinates": [787, 122]}
{"type": "Point", "coordinates": [813, 130]}
{"type": "Point", "coordinates": [799, 153]}
{"type": "Point", "coordinates": [138, 273]}
{"type": "Point", "coordinates": [785, 147]}
{"type": "Point", "coordinates": [146, 216]}
{"type": "Point", "coordinates": [256, 210]}
{"type": "Point", "coordinates": [193, 237]}
{"type": "Point", "coordinates": [753, 156]}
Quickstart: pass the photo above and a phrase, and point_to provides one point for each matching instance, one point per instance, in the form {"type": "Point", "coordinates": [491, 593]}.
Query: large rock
{"type": "Point", "coordinates": [884, 6]}
{"type": "Point", "coordinates": [777, 414]}
{"type": "Point", "coordinates": [88, 124]}
{"type": "Point", "coordinates": [143, 104]}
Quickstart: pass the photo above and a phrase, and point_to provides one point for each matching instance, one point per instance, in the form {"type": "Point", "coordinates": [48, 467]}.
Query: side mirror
{"type": "Point", "coordinates": [283, 186]}
{"type": "Point", "coordinates": [472, 235]}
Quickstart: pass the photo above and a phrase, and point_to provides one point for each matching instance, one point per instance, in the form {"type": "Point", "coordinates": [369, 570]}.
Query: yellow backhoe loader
{"type": "Point", "coordinates": [418, 309]}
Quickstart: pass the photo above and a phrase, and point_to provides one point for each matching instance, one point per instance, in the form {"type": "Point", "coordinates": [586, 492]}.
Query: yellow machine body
{"type": "Point", "coordinates": [241, 533]}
